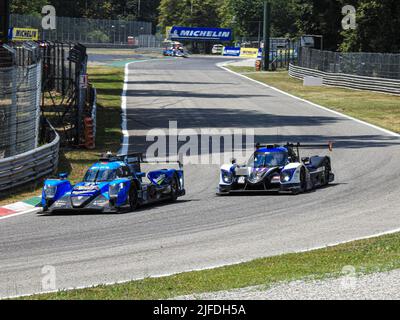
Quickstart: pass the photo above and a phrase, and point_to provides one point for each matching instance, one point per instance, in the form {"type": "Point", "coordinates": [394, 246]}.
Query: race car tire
{"type": "Point", "coordinates": [45, 212]}
{"type": "Point", "coordinates": [174, 189]}
{"type": "Point", "coordinates": [327, 173]}
{"type": "Point", "coordinates": [303, 183]}
{"type": "Point", "coordinates": [133, 199]}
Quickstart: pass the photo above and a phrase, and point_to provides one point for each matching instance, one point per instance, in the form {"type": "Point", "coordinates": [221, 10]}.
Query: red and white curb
{"type": "Point", "coordinates": [20, 208]}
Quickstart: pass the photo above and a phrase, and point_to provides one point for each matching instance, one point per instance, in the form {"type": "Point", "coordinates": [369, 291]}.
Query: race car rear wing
{"type": "Point", "coordinates": [294, 148]}
{"type": "Point", "coordinates": [296, 145]}
{"type": "Point", "coordinates": [136, 159]}
{"type": "Point", "coordinates": [311, 145]}
{"type": "Point", "coordinates": [155, 161]}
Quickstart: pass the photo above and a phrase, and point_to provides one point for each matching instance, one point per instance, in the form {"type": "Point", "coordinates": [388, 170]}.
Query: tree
{"type": "Point", "coordinates": [249, 15]}
{"type": "Point", "coordinates": [284, 15]}
{"type": "Point", "coordinates": [170, 12]}
{"type": "Point", "coordinates": [321, 17]}
{"type": "Point", "coordinates": [95, 9]}
{"type": "Point", "coordinates": [378, 27]}
{"type": "Point", "coordinates": [196, 13]}
{"type": "Point", "coordinates": [33, 7]}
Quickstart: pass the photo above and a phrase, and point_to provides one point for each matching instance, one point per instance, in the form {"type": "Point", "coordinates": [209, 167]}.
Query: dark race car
{"type": "Point", "coordinates": [277, 168]}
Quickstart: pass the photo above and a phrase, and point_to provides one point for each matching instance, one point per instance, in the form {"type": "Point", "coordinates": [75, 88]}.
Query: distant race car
{"type": "Point", "coordinates": [175, 53]}
{"type": "Point", "coordinates": [277, 168]}
{"type": "Point", "coordinates": [113, 184]}
{"type": "Point", "coordinates": [175, 49]}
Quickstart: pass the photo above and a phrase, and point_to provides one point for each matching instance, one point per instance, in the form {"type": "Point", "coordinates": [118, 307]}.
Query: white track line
{"type": "Point", "coordinates": [391, 133]}
{"type": "Point", "coordinates": [124, 125]}
{"type": "Point", "coordinates": [34, 210]}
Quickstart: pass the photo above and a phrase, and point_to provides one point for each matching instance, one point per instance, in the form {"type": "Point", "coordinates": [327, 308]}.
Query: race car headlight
{"type": "Point", "coordinates": [114, 190]}
{"type": "Point", "coordinates": [227, 177]}
{"type": "Point", "coordinates": [287, 175]}
{"type": "Point", "coordinates": [50, 191]}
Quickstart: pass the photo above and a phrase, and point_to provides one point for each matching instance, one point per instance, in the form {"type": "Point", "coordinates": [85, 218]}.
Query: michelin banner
{"type": "Point", "coordinates": [231, 51]}
{"type": "Point", "coordinates": [200, 34]}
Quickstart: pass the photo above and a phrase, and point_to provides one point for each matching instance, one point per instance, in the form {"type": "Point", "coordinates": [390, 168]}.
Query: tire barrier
{"type": "Point", "coordinates": [89, 134]}
{"type": "Point", "coordinates": [348, 81]}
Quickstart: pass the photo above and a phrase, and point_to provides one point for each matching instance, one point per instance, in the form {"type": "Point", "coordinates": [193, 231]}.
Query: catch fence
{"type": "Point", "coordinates": [86, 31]}
{"type": "Point", "coordinates": [377, 65]}
{"type": "Point", "coordinates": [20, 89]}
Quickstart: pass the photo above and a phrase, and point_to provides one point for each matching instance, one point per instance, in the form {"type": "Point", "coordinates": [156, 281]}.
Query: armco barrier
{"type": "Point", "coordinates": [29, 166]}
{"type": "Point", "coordinates": [347, 80]}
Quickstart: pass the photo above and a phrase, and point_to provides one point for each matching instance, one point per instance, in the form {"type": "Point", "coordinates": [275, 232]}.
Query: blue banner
{"type": "Point", "coordinates": [231, 51]}
{"type": "Point", "coordinates": [200, 34]}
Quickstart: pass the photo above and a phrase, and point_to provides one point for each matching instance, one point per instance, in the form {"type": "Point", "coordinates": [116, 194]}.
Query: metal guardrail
{"type": "Point", "coordinates": [348, 80]}
{"type": "Point", "coordinates": [364, 64]}
{"type": "Point", "coordinates": [30, 166]}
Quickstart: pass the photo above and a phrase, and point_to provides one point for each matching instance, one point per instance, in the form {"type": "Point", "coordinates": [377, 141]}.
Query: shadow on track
{"type": "Point", "coordinates": [125, 212]}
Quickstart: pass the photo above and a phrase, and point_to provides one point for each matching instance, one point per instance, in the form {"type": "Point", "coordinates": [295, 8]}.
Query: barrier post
{"type": "Point", "coordinates": [267, 35]}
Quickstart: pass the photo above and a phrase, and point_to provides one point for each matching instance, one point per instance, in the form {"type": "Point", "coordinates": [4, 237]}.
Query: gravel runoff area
{"type": "Point", "coordinates": [378, 286]}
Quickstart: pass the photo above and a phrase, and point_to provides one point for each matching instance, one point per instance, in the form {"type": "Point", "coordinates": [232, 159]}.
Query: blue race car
{"type": "Point", "coordinates": [114, 184]}
{"type": "Point", "coordinates": [277, 168]}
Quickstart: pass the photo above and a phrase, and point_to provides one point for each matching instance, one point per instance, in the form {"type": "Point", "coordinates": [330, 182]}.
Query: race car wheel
{"type": "Point", "coordinates": [45, 211]}
{"type": "Point", "coordinates": [327, 173]}
{"type": "Point", "coordinates": [303, 183]}
{"type": "Point", "coordinates": [133, 199]}
{"type": "Point", "coordinates": [174, 189]}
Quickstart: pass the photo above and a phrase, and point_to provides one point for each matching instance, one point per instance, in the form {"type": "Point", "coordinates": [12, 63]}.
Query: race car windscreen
{"type": "Point", "coordinates": [268, 159]}
{"type": "Point", "coordinates": [100, 175]}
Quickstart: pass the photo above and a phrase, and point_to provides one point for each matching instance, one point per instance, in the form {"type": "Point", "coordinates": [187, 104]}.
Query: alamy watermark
{"type": "Point", "coordinates": [49, 18]}
{"type": "Point", "coordinates": [349, 279]}
{"type": "Point", "coordinates": [349, 21]}
{"type": "Point", "coordinates": [200, 146]}
{"type": "Point", "coordinates": [49, 278]}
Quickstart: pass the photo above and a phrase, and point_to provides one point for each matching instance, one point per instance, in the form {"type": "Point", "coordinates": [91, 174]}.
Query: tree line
{"type": "Point", "coordinates": [377, 30]}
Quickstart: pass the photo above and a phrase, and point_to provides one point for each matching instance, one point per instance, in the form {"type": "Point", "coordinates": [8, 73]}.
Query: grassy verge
{"type": "Point", "coordinates": [377, 108]}
{"type": "Point", "coordinates": [367, 256]}
{"type": "Point", "coordinates": [109, 83]}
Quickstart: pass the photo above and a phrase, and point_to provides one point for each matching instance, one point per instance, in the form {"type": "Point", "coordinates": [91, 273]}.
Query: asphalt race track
{"type": "Point", "coordinates": [202, 230]}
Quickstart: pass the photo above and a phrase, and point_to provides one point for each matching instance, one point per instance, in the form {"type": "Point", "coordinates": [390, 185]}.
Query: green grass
{"type": "Point", "coordinates": [109, 83]}
{"type": "Point", "coordinates": [367, 256]}
{"type": "Point", "coordinates": [377, 108]}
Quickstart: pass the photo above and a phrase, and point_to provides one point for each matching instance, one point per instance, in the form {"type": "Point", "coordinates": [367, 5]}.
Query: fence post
{"type": "Point", "coordinates": [38, 96]}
